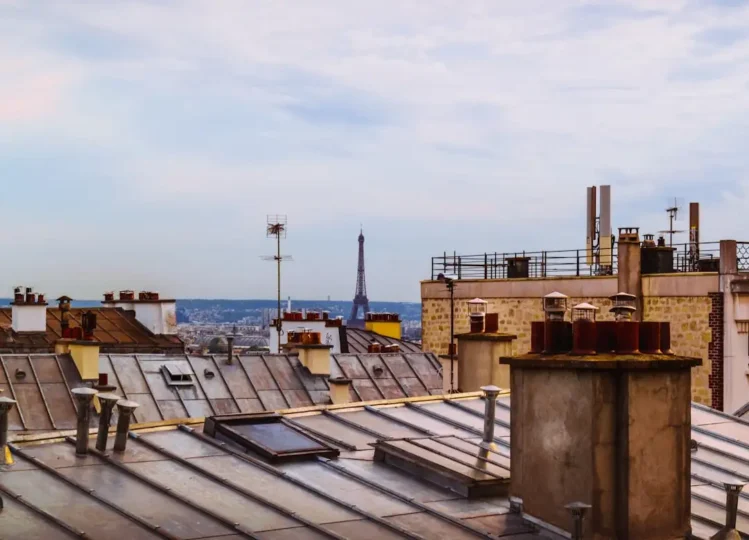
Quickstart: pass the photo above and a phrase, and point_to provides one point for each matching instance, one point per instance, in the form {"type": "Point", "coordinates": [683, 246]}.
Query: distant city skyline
{"type": "Point", "coordinates": [142, 144]}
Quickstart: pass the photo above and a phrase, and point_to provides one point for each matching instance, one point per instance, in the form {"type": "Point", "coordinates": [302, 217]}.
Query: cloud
{"type": "Point", "coordinates": [431, 112]}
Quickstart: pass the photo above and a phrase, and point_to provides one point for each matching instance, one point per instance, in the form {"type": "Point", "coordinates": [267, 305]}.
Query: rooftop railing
{"type": "Point", "coordinates": [702, 257]}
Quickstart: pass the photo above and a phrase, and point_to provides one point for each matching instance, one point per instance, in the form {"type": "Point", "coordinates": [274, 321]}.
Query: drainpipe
{"type": "Point", "coordinates": [84, 396]}
{"type": "Point", "coordinates": [108, 402]}
{"type": "Point", "coordinates": [125, 409]}
{"type": "Point", "coordinates": [490, 396]}
{"type": "Point", "coordinates": [577, 511]}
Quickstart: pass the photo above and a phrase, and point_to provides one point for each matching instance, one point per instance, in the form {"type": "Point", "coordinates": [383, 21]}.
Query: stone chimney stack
{"type": "Point", "coordinates": [603, 428]}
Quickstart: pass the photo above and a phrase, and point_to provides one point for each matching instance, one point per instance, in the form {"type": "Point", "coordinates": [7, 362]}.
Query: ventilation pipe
{"type": "Point", "coordinates": [84, 396]}
{"type": "Point", "coordinates": [732, 507]}
{"type": "Point", "coordinates": [577, 511]}
{"type": "Point", "coordinates": [125, 410]}
{"type": "Point", "coordinates": [108, 402]}
{"type": "Point", "coordinates": [230, 348]}
{"type": "Point", "coordinates": [490, 396]}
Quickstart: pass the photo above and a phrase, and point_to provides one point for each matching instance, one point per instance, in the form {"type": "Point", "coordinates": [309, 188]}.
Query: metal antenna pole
{"type": "Point", "coordinates": [452, 338]}
{"type": "Point", "coordinates": [278, 319]}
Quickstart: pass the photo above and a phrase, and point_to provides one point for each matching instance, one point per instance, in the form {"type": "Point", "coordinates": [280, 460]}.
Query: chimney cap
{"type": "Point", "coordinates": [64, 298]}
{"type": "Point", "coordinates": [6, 403]}
{"type": "Point", "coordinates": [84, 392]}
{"type": "Point", "coordinates": [127, 405]}
{"type": "Point", "coordinates": [556, 294]}
{"type": "Point", "coordinates": [108, 397]}
{"type": "Point", "coordinates": [477, 301]}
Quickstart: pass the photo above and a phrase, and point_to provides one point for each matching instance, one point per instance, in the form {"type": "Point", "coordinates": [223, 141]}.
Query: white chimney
{"type": "Point", "coordinates": [29, 311]}
{"type": "Point", "coordinates": [157, 314]}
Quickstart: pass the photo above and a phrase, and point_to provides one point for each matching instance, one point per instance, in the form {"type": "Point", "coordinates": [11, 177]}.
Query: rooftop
{"type": "Point", "coordinates": [117, 331]}
{"type": "Point", "coordinates": [41, 384]}
{"type": "Point", "coordinates": [177, 482]}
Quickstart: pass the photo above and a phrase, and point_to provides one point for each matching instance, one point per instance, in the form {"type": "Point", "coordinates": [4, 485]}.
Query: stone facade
{"type": "Point", "coordinates": [689, 316]}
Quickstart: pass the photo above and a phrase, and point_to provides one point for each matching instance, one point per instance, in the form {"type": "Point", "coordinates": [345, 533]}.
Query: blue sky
{"type": "Point", "coordinates": [143, 143]}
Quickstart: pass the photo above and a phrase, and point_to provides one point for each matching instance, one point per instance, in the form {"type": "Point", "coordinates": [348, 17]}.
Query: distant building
{"type": "Point", "coordinates": [146, 324]}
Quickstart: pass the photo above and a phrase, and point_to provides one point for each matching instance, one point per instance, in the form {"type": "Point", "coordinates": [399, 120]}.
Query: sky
{"type": "Point", "coordinates": [143, 144]}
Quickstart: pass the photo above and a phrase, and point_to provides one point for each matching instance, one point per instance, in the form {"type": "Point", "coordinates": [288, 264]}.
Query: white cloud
{"type": "Point", "coordinates": [487, 111]}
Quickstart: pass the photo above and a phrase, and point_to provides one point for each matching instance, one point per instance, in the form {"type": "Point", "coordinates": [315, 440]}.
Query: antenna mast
{"type": "Point", "coordinates": [276, 228]}
{"type": "Point", "coordinates": [673, 215]}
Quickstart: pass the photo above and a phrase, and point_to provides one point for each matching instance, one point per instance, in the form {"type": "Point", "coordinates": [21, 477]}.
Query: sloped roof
{"type": "Point", "coordinates": [193, 486]}
{"type": "Point", "coordinates": [117, 330]}
{"type": "Point", "coordinates": [255, 383]}
{"type": "Point", "coordinates": [41, 386]}
{"type": "Point", "coordinates": [180, 483]}
{"type": "Point", "coordinates": [359, 339]}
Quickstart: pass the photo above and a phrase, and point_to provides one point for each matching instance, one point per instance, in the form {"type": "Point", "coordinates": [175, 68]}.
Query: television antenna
{"type": "Point", "coordinates": [276, 228]}
{"type": "Point", "coordinates": [675, 206]}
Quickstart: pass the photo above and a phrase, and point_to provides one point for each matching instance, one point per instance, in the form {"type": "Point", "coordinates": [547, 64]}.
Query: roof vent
{"type": "Point", "coordinates": [176, 375]}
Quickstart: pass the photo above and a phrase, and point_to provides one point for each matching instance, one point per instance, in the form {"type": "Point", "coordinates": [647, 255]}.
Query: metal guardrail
{"type": "Point", "coordinates": [702, 257]}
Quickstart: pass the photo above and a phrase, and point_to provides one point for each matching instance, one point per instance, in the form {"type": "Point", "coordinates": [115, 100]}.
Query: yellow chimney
{"type": "Point", "coordinates": [85, 355]}
{"type": "Point", "coordinates": [340, 391]}
{"type": "Point", "coordinates": [385, 324]}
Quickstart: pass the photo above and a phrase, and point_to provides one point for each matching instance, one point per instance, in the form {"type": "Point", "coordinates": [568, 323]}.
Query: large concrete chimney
{"type": "Point", "coordinates": [478, 359]}
{"type": "Point", "coordinates": [157, 314]}
{"type": "Point", "coordinates": [610, 430]}
{"type": "Point", "coordinates": [28, 311]}
{"type": "Point", "coordinates": [313, 355]}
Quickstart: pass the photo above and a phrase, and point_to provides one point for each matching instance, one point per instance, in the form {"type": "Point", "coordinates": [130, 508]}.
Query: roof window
{"type": "Point", "coordinates": [269, 435]}
{"type": "Point", "coordinates": [177, 375]}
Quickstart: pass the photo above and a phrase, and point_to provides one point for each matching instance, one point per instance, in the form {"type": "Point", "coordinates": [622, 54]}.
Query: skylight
{"type": "Point", "coordinates": [176, 375]}
{"type": "Point", "coordinates": [268, 435]}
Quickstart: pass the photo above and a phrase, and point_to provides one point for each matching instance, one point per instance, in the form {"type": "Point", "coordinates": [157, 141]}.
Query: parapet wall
{"type": "Point", "coordinates": [682, 299]}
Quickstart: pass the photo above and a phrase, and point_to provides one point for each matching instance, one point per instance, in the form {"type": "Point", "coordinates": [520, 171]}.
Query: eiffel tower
{"type": "Point", "coordinates": [360, 296]}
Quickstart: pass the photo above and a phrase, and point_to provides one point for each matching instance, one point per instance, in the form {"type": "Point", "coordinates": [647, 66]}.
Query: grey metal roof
{"type": "Point", "coordinates": [256, 383]}
{"type": "Point", "coordinates": [41, 384]}
{"type": "Point", "coordinates": [179, 483]}
{"type": "Point", "coordinates": [192, 486]}
{"type": "Point", "coordinates": [359, 339]}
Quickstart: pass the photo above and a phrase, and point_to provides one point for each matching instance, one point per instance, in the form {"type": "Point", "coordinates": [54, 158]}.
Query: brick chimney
{"type": "Point", "coordinates": [157, 314]}
{"type": "Point", "coordinates": [28, 311]}
{"type": "Point", "coordinates": [604, 428]}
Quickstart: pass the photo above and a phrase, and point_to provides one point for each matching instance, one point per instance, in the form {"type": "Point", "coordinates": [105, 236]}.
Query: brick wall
{"type": "Point", "coordinates": [715, 350]}
{"type": "Point", "coordinates": [692, 329]}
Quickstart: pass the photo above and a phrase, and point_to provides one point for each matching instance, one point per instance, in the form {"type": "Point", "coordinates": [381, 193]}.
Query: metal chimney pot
{"type": "Point", "coordinates": [490, 394]}
{"type": "Point", "coordinates": [577, 511]}
{"type": "Point", "coordinates": [230, 349]}
{"type": "Point", "coordinates": [125, 409]}
{"type": "Point", "coordinates": [733, 490]}
{"type": "Point", "coordinates": [83, 397]}
{"type": "Point", "coordinates": [108, 402]}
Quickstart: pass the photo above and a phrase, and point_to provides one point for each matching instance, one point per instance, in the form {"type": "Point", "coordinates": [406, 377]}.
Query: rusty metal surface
{"type": "Point", "coordinates": [117, 331]}
{"type": "Point", "coordinates": [359, 339]}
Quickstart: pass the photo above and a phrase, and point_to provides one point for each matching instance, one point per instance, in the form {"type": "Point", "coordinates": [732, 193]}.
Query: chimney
{"type": "Point", "coordinates": [108, 401]}
{"type": "Point", "coordinates": [340, 390]}
{"type": "Point", "coordinates": [490, 412]}
{"type": "Point", "coordinates": [313, 355]}
{"type": "Point", "coordinates": [478, 355]}
{"type": "Point", "coordinates": [155, 313]}
{"type": "Point", "coordinates": [125, 410]}
{"type": "Point", "coordinates": [83, 396]}
{"type": "Point", "coordinates": [6, 404]}
{"type": "Point", "coordinates": [63, 304]}
{"type": "Point", "coordinates": [629, 266]}
{"type": "Point", "coordinates": [28, 313]}
{"type": "Point", "coordinates": [85, 355]}
{"type": "Point", "coordinates": [229, 348]}
{"type": "Point", "coordinates": [385, 324]}
{"type": "Point", "coordinates": [621, 421]}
